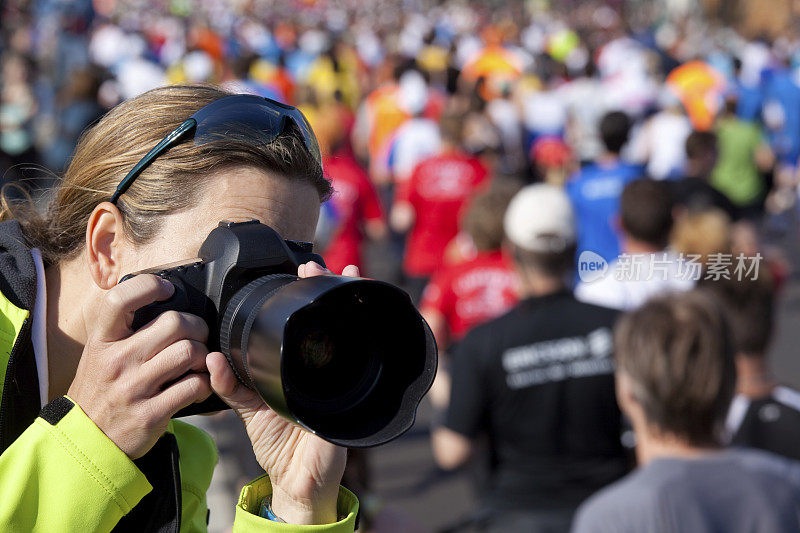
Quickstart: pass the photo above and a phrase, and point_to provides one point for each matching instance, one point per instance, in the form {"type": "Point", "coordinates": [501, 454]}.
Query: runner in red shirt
{"type": "Point", "coordinates": [480, 288]}
{"type": "Point", "coordinates": [356, 209]}
{"type": "Point", "coordinates": [462, 296]}
{"type": "Point", "coordinates": [430, 204]}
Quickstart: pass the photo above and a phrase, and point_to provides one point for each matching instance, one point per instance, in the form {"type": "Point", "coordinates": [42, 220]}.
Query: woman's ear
{"type": "Point", "coordinates": [105, 245]}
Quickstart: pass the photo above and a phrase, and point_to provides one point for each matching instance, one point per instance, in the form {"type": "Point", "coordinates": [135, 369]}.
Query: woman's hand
{"type": "Point", "coordinates": [305, 470]}
{"type": "Point", "coordinates": [130, 383]}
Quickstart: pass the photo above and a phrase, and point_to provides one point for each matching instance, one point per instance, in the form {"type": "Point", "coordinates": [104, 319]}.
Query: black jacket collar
{"type": "Point", "coordinates": [17, 268]}
{"type": "Point", "coordinates": [19, 404]}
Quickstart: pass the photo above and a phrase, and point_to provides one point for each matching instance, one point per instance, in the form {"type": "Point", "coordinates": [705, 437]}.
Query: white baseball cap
{"type": "Point", "coordinates": [540, 219]}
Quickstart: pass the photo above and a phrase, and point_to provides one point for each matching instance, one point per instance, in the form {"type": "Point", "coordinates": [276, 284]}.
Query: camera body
{"type": "Point", "coordinates": [348, 359]}
{"type": "Point", "coordinates": [233, 255]}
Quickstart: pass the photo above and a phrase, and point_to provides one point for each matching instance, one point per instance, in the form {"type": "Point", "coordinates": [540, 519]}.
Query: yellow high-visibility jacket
{"type": "Point", "coordinates": [60, 472]}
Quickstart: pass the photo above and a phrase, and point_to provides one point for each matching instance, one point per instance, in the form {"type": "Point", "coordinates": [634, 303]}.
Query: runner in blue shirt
{"type": "Point", "coordinates": [596, 188]}
{"type": "Point", "coordinates": [782, 116]}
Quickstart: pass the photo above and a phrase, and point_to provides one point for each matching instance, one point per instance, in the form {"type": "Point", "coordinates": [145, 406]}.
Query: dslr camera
{"type": "Point", "coordinates": [348, 359]}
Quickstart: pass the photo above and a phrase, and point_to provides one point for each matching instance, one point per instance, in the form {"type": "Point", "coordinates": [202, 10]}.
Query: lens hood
{"type": "Point", "coordinates": [348, 359]}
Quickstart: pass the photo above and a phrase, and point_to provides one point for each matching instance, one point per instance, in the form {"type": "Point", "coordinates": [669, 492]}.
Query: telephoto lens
{"type": "Point", "coordinates": [348, 359]}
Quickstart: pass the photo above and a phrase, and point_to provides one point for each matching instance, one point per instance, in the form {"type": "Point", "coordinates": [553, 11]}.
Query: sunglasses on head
{"type": "Point", "coordinates": [215, 121]}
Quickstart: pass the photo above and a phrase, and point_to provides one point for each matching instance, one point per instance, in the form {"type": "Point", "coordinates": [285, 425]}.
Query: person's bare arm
{"type": "Point", "coordinates": [466, 404]}
{"type": "Point", "coordinates": [375, 229]}
{"type": "Point", "coordinates": [438, 325]}
{"type": "Point", "coordinates": [764, 157]}
{"type": "Point", "coordinates": [402, 217]}
{"type": "Point", "coordinates": [450, 449]}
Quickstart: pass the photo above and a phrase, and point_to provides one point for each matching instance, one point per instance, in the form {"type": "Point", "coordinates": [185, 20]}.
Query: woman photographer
{"type": "Point", "coordinates": [103, 452]}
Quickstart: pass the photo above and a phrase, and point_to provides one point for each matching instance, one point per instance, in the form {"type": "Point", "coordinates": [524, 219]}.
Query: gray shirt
{"type": "Point", "coordinates": [731, 491]}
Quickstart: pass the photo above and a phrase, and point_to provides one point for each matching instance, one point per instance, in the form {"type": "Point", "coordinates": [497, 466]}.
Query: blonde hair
{"type": "Point", "coordinates": [702, 233]}
{"type": "Point", "coordinates": [107, 151]}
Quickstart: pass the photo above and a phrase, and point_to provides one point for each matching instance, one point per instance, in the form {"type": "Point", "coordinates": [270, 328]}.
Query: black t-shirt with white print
{"type": "Point", "coordinates": [538, 382]}
{"type": "Point", "coordinates": [771, 423]}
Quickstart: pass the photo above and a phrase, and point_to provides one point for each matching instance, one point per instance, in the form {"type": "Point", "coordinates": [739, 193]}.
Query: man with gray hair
{"type": "Point", "coordinates": [537, 382]}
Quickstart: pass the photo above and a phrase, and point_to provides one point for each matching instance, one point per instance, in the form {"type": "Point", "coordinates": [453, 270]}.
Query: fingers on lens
{"type": "Point", "coordinates": [317, 267]}
{"type": "Point", "coordinates": [175, 361]}
{"type": "Point", "coordinates": [170, 327]}
{"type": "Point", "coordinates": [191, 388]}
{"type": "Point", "coordinates": [352, 271]}
{"type": "Point", "coordinates": [312, 268]}
{"type": "Point", "coordinates": [184, 325]}
{"type": "Point", "coordinates": [224, 381]}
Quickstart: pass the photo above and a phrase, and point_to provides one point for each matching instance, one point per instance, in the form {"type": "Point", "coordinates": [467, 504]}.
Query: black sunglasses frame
{"type": "Point", "coordinates": [267, 116]}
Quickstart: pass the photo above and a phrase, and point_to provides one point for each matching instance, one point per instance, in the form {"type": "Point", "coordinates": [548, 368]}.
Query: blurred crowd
{"type": "Point", "coordinates": [644, 149]}
{"type": "Point", "coordinates": [516, 92]}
